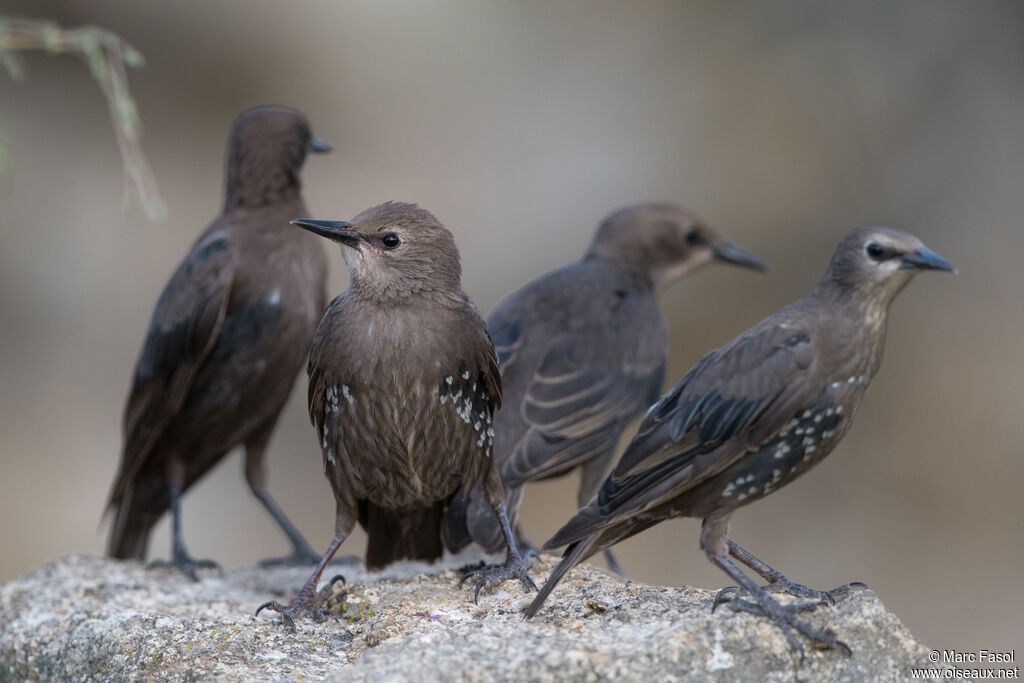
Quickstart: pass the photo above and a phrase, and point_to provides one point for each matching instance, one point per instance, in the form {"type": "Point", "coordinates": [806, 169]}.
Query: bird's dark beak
{"type": "Point", "coordinates": [737, 255]}
{"type": "Point", "coordinates": [925, 259]}
{"type": "Point", "coordinates": [336, 231]}
{"type": "Point", "coordinates": [318, 145]}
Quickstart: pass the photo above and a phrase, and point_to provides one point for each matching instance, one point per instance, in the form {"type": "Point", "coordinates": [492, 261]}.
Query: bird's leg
{"type": "Point", "coordinates": [515, 567]}
{"type": "Point", "coordinates": [180, 558]}
{"type": "Point", "coordinates": [256, 476]}
{"type": "Point", "coordinates": [309, 600]}
{"type": "Point", "coordinates": [592, 474]}
{"type": "Point", "coordinates": [714, 541]}
{"type": "Point", "coordinates": [301, 553]}
{"type": "Point", "coordinates": [778, 582]}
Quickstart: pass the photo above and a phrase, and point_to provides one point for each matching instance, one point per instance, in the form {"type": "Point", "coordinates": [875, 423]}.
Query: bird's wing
{"type": "Point", "coordinates": [184, 327]}
{"type": "Point", "coordinates": [583, 388]}
{"type": "Point", "coordinates": [734, 398]}
{"type": "Point", "coordinates": [316, 390]}
{"type": "Point", "coordinates": [506, 332]}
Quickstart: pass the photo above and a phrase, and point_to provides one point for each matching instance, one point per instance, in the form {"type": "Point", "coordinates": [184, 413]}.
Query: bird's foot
{"type": "Point", "coordinates": [301, 557]}
{"type": "Point", "coordinates": [785, 617]}
{"type": "Point", "coordinates": [515, 567]}
{"type": "Point", "coordinates": [298, 558]}
{"type": "Point", "coordinates": [308, 602]}
{"type": "Point", "coordinates": [783, 585]}
{"type": "Point", "coordinates": [184, 563]}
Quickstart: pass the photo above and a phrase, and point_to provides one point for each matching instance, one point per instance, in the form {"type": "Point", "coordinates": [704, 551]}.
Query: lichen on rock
{"type": "Point", "coordinates": [86, 617]}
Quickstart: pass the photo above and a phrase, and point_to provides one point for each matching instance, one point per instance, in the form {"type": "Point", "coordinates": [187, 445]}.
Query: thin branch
{"type": "Point", "coordinates": [107, 56]}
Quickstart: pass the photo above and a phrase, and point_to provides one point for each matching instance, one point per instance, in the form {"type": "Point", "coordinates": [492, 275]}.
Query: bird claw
{"type": "Point", "coordinates": [488, 577]}
{"type": "Point", "coordinates": [723, 596]}
{"type": "Point", "coordinates": [784, 585]}
{"type": "Point", "coordinates": [785, 617]}
{"type": "Point", "coordinates": [309, 601]}
{"type": "Point", "coordinates": [286, 612]}
{"type": "Point", "coordinates": [184, 563]}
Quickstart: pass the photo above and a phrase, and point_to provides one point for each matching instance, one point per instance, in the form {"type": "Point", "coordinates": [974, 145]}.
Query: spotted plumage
{"type": "Point", "coordinates": [403, 384]}
{"type": "Point", "coordinates": [582, 355]}
{"type": "Point", "coordinates": [754, 414]}
{"type": "Point", "coordinates": [465, 392]}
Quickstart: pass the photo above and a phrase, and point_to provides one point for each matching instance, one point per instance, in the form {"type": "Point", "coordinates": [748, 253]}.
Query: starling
{"type": "Point", "coordinates": [753, 415]}
{"type": "Point", "coordinates": [227, 339]}
{"type": "Point", "coordinates": [403, 381]}
{"type": "Point", "coordinates": [582, 355]}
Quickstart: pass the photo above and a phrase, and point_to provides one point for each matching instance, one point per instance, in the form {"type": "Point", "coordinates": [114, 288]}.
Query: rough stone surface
{"type": "Point", "coordinates": [85, 617]}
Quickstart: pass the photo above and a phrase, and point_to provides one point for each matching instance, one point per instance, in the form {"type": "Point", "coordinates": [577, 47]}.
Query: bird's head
{"type": "Point", "coordinates": [664, 241]}
{"type": "Point", "coordinates": [266, 151]}
{"type": "Point", "coordinates": [875, 264]}
{"type": "Point", "coordinates": [394, 250]}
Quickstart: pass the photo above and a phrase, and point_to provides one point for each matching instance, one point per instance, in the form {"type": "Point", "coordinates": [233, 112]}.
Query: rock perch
{"type": "Point", "coordinates": [85, 617]}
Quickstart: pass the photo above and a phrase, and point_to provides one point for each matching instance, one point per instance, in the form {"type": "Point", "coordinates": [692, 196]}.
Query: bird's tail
{"type": "Point", "coordinates": [455, 531]}
{"type": "Point", "coordinates": [132, 522]}
{"type": "Point", "coordinates": [470, 518]}
{"type": "Point", "coordinates": [408, 534]}
{"type": "Point", "coordinates": [574, 554]}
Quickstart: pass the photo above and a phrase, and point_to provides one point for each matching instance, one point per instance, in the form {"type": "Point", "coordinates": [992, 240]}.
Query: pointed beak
{"type": "Point", "coordinates": [737, 255]}
{"type": "Point", "coordinates": [925, 259]}
{"type": "Point", "coordinates": [318, 145]}
{"type": "Point", "coordinates": [336, 231]}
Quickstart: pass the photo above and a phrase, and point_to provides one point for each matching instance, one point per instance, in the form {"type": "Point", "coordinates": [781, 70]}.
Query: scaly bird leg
{"type": "Point", "coordinates": [309, 600]}
{"type": "Point", "coordinates": [714, 540]}
{"type": "Point", "coordinates": [515, 565]}
{"type": "Point", "coordinates": [778, 582]}
{"type": "Point", "coordinates": [180, 559]}
{"type": "Point", "coordinates": [301, 553]}
{"type": "Point", "coordinates": [785, 617]}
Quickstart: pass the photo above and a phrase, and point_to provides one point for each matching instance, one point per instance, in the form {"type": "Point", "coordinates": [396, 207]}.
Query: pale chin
{"type": "Point", "coordinates": [353, 259]}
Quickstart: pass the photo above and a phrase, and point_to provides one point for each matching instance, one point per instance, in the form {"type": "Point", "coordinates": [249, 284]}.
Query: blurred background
{"type": "Point", "coordinates": [520, 124]}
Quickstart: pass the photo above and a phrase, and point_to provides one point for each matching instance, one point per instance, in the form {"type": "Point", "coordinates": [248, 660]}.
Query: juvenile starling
{"type": "Point", "coordinates": [753, 415]}
{"type": "Point", "coordinates": [227, 338]}
{"type": "Point", "coordinates": [403, 381]}
{"type": "Point", "coordinates": [582, 354]}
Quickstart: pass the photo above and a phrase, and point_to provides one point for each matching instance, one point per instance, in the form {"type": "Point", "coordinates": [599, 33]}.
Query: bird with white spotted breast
{"type": "Point", "coordinates": [403, 383]}
{"type": "Point", "coordinates": [582, 352]}
{"type": "Point", "coordinates": [753, 415]}
{"type": "Point", "coordinates": [226, 340]}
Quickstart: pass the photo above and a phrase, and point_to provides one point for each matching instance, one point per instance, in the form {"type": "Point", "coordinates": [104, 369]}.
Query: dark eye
{"type": "Point", "coordinates": [875, 251]}
{"type": "Point", "coordinates": [692, 236]}
{"type": "Point", "coordinates": [390, 240]}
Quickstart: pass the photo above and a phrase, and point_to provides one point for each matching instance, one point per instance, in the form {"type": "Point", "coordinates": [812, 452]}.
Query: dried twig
{"type": "Point", "coordinates": [107, 56]}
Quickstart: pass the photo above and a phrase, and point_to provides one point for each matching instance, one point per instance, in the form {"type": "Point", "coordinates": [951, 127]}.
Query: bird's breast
{"type": "Point", "coordinates": [401, 441]}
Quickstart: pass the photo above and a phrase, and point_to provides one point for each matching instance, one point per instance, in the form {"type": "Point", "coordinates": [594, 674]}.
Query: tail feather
{"type": "Point", "coordinates": [409, 534]}
{"type": "Point", "coordinates": [574, 554]}
{"type": "Point", "coordinates": [132, 523]}
{"type": "Point", "coordinates": [455, 531]}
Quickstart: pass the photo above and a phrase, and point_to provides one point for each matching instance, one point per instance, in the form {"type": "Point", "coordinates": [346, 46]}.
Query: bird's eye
{"type": "Point", "coordinates": [390, 240]}
{"type": "Point", "coordinates": [692, 236]}
{"type": "Point", "coordinates": [875, 251]}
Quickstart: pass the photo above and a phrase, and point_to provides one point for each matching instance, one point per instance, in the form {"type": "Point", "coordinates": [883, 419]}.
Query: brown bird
{"type": "Point", "coordinates": [752, 416]}
{"type": "Point", "coordinates": [227, 338]}
{"type": "Point", "coordinates": [403, 381]}
{"type": "Point", "coordinates": [582, 354]}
